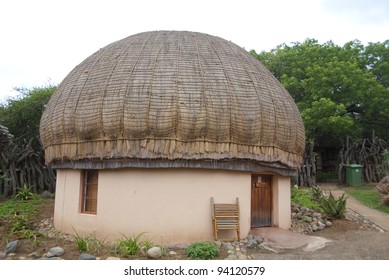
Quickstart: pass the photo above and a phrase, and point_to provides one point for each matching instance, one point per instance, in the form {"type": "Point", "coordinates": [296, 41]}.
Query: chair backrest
{"type": "Point", "coordinates": [223, 210]}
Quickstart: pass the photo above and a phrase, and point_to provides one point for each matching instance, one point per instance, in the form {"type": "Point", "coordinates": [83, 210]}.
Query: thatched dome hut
{"type": "Point", "coordinates": [170, 101]}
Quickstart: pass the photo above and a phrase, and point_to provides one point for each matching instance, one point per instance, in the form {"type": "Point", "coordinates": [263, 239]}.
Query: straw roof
{"type": "Point", "coordinates": [172, 99]}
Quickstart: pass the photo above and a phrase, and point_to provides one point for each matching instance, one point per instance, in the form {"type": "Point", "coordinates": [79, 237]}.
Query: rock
{"type": "Point", "coordinates": [243, 249]}
{"type": "Point", "coordinates": [307, 219]}
{"type": "Point", "coordinates": [11, 247]}
{"type": "Point", "coordinates": [181, 246]}
{"type": "Point", "coordinates": [170, 246]}
{"type": "Point", "coordinates": [46, 194]}
{"type": "Point", "coordinates": [314, 228]}
{"type": "Point", "coordinates": [252, 244]}
{"type": "Point", "coordinates": [320, 225]}
{"type": "Point", "coordinates": [87, 257]}
{"type": "Point", "coordinates": [113, 259]}
{"type": "Point", "coordinates": [242, 257]}
{"type": "Point", "coordinates": [230, 252]}
{"type": "Point", "coordinates": [172, 253]}
{"type": "Point", "coordinates": [154, 253]}
{"type": "Point", "coordinates": [231, 257]}
{"type": "Point", "coordinates": [217, 243]}
{"type": "Point", "coordinates": [304, 209]}
{"type": "Point", "coordinates": [55, 252]}
{"type": "Point", "coordinates": [328, 224]}
{"type": "Point", "coordinates": [2, 255]}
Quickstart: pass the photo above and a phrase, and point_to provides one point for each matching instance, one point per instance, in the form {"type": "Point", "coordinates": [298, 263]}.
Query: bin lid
{"type": "Point", "coordinates": [353, 166]}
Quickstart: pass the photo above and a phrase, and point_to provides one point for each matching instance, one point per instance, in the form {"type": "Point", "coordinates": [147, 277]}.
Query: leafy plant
{"type": "Point", "coordinates": [88, 243]}
{"type": "Point", "coordinates": [32, 235]}
{"type": "Point", "coordinates": [335, 208]}
{"type": "Point", "coordinates": [15, 216]}
{"type": "Point", "coordinates": [82, 243]}
{"type": "Point", "coordinates": [202, 251]}
{"type": "Point", "coordinates": [18, 223]}
{"type": "Point", "coordinates": [129, 246]}
{"type": "Point", "coordinates": [303, 197]}
{"type": "Point", "coordinates": [24, 193]}
{"type": "Point", "coordinates": [317, 193]}
{"type": "Point", "coordinates": [146, 245]}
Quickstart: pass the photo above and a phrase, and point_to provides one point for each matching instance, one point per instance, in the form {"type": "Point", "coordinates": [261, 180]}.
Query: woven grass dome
{"type": "Point", "coordinates": [172, 99]}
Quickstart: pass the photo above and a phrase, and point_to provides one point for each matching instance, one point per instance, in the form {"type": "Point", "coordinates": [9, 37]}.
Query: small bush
{"type": "Point", "coordinates": [88, 243]}
{"type": "Point", "coordinates": [202, 251]}
{"type": "Point", "coordinates": [335, 208]}
{"type": "Point", "coordinates": [303, 197]}
{"type": "Point", "coordinates": [129, 246]}
{"type": "Point", "coordinates": [24, 193]}
{"type": "Point", "coordinates": [317, 193]}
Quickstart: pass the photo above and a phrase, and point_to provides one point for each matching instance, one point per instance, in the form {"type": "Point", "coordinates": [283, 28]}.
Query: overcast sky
{"type": "Point", "coordinates": [43, 40]}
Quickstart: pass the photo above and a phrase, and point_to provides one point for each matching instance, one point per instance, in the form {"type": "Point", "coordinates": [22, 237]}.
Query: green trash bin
{"type": "Point", "coordinates": [354, 175]}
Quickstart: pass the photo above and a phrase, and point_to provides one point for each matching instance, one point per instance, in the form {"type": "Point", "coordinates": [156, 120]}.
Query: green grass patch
{"type": "Point", "coordinates": [368, 196]}
{"type": "Point", "coordinates": [304, 197]}
{"type": "Point", "coordinates": [27, 208]}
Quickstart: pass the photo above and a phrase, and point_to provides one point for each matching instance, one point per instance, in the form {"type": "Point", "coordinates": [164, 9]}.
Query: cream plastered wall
{"type": "Point", "coordinates": [167, 205]}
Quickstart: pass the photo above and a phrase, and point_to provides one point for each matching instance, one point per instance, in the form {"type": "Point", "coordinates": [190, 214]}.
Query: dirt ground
{"type": "Point", "coordinates": [349, 240]}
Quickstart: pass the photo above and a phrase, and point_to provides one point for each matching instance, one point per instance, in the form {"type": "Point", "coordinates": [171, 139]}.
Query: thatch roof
{"type": "Point", "coordinates": [172, 99]}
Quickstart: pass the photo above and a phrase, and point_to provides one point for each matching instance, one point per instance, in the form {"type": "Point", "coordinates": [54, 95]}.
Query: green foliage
{"type": "Point", "coordinates": [129, 246]}
{"type": "Point", "coordinates": [21, 115]}
{"type": "Point", "coordinates": [24, 193]}
{"type": "Point", "coordinates": [339, 90]}
{"type": "Point", "coordinates": [88, 243]}
{"type": "Point", "coordinates": [316, 192]}
{"type": "Point", "coordinates": [146, 245]}
{"type": "Point", "coordinates": [202, 251]}
{"type": "Point", "coordinates": [27, 208]}
{"type": "Point", "coordinates": [335, 208]}
{"type": "Point", "coordinates": [17, 214]}
{"type": "Point", "coordinates": [303, 197]}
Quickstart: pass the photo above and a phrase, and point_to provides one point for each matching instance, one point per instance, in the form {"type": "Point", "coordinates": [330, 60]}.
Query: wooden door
{"type": "Point", "coordinates": [261, 200]}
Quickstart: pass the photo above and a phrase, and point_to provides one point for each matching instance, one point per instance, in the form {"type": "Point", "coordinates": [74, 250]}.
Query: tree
{"type": "Point", "coordinates": [22, 114]}
{"type": "Point", "coordinates": [339, 90]}
{"type": "Point", "coordinates": [23, 162]}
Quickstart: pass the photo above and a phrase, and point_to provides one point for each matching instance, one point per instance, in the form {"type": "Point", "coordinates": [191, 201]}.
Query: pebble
{"type": "Point", "coordinates": [154, 253]}
{"type": "Point", "coordinates": [172, 253]}
{"type": "Point", "coordinates": [11, 247]}
{"type": "Point", "coordinates": [55, 252]}
{"type": "Point", "coordinates": [113, 259]}
{"type": "Point", "coordinates": [86, 257]}
{"type": "Point", "coordinates": [3, 255]}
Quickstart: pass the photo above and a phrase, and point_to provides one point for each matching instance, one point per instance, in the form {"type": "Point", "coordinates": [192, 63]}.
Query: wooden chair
{"type": "Point", "coordinates": [225, 217]}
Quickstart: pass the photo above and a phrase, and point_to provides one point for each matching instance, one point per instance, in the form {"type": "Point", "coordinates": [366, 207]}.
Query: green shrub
{"type": "Point", "coordinates": [24, 193]}
{"type": "Point", "coordinates": [88, 243]}
{"type": "Point", "coordinates": [129, 246]}
{"type": "Point", "coordinates": [335, 208]}
{"type": "Point", "coordinates": [202, 251]}
{"type": "Point", "coordinates": [303, 197]}
{"type": "Point", "coordinates": [316, 192]}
